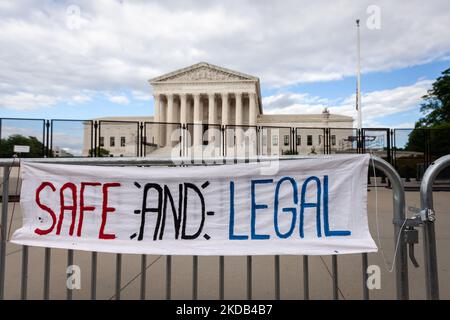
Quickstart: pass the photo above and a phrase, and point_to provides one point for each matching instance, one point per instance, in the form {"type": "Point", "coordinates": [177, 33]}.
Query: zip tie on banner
{"type": "Point", "coordinates": [386, 265]}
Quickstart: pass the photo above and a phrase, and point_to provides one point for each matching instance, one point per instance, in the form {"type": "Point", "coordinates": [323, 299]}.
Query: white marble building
{"type": "Point", "coordinates": [208, 102]}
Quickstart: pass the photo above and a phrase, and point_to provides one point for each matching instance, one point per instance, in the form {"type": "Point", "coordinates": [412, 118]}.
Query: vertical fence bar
{"type": "Point", "coordinates": [221, 277]}
{"type": "Point", "coordinates": [51, 136]}
{"type": "Point", "coordinates": [305, 278]}
{"type": "Point", "coordinates": [295, 140]}
{"type": "Point", "coordinates": [24, 277]}
{"type": "Point", "coordinates": [138, 133]}
{"type": "Point", "coordinates": [258, 149]}
{"type": "Point", "coordinates": [365, 264]}
{"type": "Point", "coordinates": [47, 258]}
{"type": "Point", "coordinates": [249, 277]}
{"type": "Point", "coordinates": [194, 277]}
{"type": "Point", "coordinates": [92, 140]}
{"type": "Point", "coordinates": [222, 141]}
{"type": "Point", "coordinates": [118, 274]}
{"type": "Point", "coordinates": [277, 278]}
{"type": "Point", "coordinates": [141, 139]}
{"type": "Point", "coordinates": [143, 275]}
{"type": "Point", "coordinates": [291, 138]}
{"type": "Point", "coordinates": [401, 265]}
{"type": "Point", "coordinates": [46, 147]}
{"type": "Point", "coordinates": [94, 276]}
{"type": "Point", "coordinates": [180, 138]}
{"type": "Point", "coordinates": [334, 267]}
{"type": "Point", "coordinates": [430, 258]}
{"type": "Point", "coordinates": [94, 152]}
{"type": "Point", "coordinates": [388, 138]}
{"type": "Point", "coordinates": [69, 263]}
{"type": "Point", "coordinates": [168, 277]}
{"type": "Point", "coordinates": [429, 237]}
{"type": "Point", "coordinates": [99, 134]}
{"type": "Point", "coordinates": [144, 141]}
{"type": "Point", "coordinates": [394, 148]}
{"type": "Point", "coordinates": [4, 222]}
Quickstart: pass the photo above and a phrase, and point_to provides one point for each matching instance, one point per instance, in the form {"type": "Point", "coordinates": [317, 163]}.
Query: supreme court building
{"type": "Point", "coordinates": [207, 107]}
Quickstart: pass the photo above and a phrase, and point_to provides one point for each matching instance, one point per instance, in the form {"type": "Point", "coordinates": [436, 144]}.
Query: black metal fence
{"type": "Point", "coordinates": [410, 151]}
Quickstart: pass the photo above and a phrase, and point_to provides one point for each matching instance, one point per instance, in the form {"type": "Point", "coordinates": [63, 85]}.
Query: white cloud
{"type": "Point", "coordinates": [119, 99]}
{"type": "Point", "coordinates": [375, 104]}
{"type": "Point", "coordinates": [80, 98]}
{"type": "Point", "coordinates": [27, 101]}
{"type": "Point", "coordinates": [139, 95]}
{"type": "Point", "coordinates": [49, 56]}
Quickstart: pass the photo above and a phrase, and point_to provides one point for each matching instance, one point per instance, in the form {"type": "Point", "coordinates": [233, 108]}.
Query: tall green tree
{"type": "Point", "coordinates": [433, 129]}
{"type": "Point", "coordinates": [436, 105]}
{"type": "Point", "coordinates": [7, 146]}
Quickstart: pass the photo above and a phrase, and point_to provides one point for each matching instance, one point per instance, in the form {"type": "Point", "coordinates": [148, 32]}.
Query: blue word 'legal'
{"type": "Point", "coordinates": [296, 211]}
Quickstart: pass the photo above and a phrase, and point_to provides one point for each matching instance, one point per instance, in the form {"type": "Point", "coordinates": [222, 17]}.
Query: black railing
{"type": "Point", "coordinates": [411, 151]}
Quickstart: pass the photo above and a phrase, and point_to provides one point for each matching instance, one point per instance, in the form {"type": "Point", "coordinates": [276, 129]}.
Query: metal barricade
{"type": "Point", "coordinates": [428, 218]}
{"type": "Point", "coordinates": [402, 290]}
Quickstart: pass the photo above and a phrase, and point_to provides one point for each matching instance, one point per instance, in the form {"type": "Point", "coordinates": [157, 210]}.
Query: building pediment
{"type": "Point", "coordinates": [202, 72]}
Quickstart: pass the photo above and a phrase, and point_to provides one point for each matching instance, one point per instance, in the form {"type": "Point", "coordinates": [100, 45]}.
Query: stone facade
{"type": "Point", "coordinates": [204, 99]}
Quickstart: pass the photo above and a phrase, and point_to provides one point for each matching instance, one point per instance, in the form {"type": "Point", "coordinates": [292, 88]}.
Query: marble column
{"type": "Point", "coordinates": [162, 120]}
{"type": "Point", "coordinates": [183, 118]}
{"type": "Point", "coordinates": [225, 109]}
{"type": "Point", "coordinates": [211, 109]}
{"type": "Point", "coordinates": [170, 114]}
{"type": "Point", "coordinates": [197, 139]}
{"type": "Point", "coordinates": [252, 121]}
{"type": "Point", "coordinates": [253, 113]}
{"type": "Point", "coordinates": [155, 127]}
{"type": "Point", "coordinates": [238, 116]}
{"type": "Point", "coordinates": [211, 117]}
{"type": "Point", "coordinates": [238, 120]}
{"type": "Point", "coordinates": [183, 108]}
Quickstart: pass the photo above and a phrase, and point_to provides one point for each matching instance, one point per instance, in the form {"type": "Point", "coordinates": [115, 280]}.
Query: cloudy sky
{"type": "Point", "coordinates": [85, 59]}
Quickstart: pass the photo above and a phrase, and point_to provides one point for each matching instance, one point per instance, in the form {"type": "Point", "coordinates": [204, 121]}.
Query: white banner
{"type": "Point", "coordinates": [315, 206]}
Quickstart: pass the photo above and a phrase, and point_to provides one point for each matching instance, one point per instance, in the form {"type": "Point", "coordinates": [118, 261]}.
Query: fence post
{"type": "Point", "coordinates": [24, 277]}
{"type": "Point", "coordinates": [48, 151]}
{"type": "Point", "coordinates": [3, 229]}
{"type": "Point", "coordinates": [96, 139]}
{"type": "Point", "coordinates": [401, 265]}
{"type": "Point", "coordinates": [141, 140]}
{"type": "Point", "coordinates": [429, 244]}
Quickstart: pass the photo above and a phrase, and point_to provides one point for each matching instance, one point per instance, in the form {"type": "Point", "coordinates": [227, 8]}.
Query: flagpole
{"type": "Point", "coordinates": [358, 78]}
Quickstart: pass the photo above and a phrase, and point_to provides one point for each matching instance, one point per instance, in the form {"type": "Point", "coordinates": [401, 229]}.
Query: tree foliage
{"type": "Point", "coordinates": [7, 146]}
{"type": "Point", "coordinates": [435, 139]}
{"type": "Point", "coordinates": [433, 129]}
{"type": "Point", "coordinates": [436, 105]}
